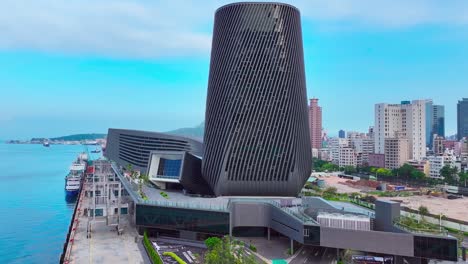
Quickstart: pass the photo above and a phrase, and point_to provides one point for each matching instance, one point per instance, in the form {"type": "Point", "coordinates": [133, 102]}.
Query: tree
{"type": "Point", "coordinates": [349, 169]}
{"type": "Point", "coordinates": [417, 175]}
{"type": "Point", "coordinates": [463, 177]}
{"type": "Point", "coordinates": [405, 171]}
{"type": "Point", "coordinates": [143, 179]}
{"type": "Point", "coordinates": [226, 252]}
{"type": "Point", "coordinates": [329, 192]}
{"type": "Point", "coordinates": [129, 167]}
{"type": "Point", "coordinates": [423, 210]}
{"type": "Point", "coordinates": [383, 172]}
{"type": "Point", "coordinates": [318, 164]}
{"type": "Point", "coordinates": [330, 167]}
{"type": "Point", "coordinates": [449, 173]}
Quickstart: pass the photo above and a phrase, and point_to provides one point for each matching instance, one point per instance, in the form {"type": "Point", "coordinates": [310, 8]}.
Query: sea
{"type": "Point", "coordinates": [34, 211]}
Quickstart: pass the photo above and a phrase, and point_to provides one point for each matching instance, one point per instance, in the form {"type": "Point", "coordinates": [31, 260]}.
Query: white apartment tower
{"type": "Point", "coordinates": [408, 120]}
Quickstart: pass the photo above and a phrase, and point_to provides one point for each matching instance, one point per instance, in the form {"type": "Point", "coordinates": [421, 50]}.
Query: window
{"type": "Point", "coordinates": [99, 212]}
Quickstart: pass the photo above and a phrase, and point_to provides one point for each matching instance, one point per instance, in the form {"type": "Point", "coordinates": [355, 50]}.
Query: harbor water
{"type": "Point", "coordinates": [35, 212]}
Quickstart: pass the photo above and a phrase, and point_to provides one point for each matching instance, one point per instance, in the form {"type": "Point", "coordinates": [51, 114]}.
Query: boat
{"type": "Point", "coordinates": [46, 143]}
{"type": "Point", "coordinates": [75, 176]}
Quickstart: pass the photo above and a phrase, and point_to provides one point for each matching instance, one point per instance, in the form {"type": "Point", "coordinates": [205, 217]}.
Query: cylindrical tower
{"type": "Point", "coordinates": [256, 125]}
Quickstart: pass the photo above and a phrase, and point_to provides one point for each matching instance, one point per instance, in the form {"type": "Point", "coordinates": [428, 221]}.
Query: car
{"type": "Point", "coordinates": [453, 197]}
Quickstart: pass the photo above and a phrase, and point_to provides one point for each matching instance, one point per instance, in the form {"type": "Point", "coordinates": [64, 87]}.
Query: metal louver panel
{"type": "Point", "coordinates": [256, 125]}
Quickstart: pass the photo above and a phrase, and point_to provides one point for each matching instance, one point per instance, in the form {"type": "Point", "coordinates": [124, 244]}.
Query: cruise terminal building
{"type": "Point", "coordinates": [244, 177]}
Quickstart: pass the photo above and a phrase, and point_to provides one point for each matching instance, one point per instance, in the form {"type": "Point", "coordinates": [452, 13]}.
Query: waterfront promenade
{"type": "Point", "coordinates": [104, 244]}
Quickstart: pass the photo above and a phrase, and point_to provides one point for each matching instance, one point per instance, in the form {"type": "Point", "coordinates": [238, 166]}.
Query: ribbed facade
{"type": "Point", "coordinates": [256, 131]}
{"type": "Point", "coordinates": [134, 147]}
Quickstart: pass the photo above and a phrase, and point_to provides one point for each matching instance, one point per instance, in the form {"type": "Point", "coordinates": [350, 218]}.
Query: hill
{"type": "Point", "coordinates": [79, 137]}
{"type": "Point", "coordinates": [193, 132]}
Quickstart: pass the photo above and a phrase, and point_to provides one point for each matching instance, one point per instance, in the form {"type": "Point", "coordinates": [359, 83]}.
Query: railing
{"type": "Point", "coordinates": [428, 231]}
{"type": "Point", "coordinates": [133, 191]}
{"type": "Point", "coordinates": [67, 247]}
{"type": "Point", "coordinates": [298, 215]}
{"type": "Point", "coordinates": [185, 205]}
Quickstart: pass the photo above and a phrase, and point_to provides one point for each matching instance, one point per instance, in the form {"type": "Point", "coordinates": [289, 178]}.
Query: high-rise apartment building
{"type": "Point", "coordinates": [462, 118]}
{"type": "Point", "coordinates": [408, 120]}
{"type": "Point", "coordinates": [370, 133]}
{"type": "Point", "coordinates": [315, 124]}
{"type": "Point", "coordinates": [396, 151]}
{"type": "Point", "coordinates": [257, 139]}
{"type": "Point", "coordinates": [435, 121]}
{"type": "Point", "coordinates": [341, 134]}
{"type": "Point", "coordinates": [438, 145]}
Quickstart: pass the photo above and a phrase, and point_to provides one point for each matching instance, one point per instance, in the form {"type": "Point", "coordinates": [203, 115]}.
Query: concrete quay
{"type": "Point", "coordinates": [102, 244]}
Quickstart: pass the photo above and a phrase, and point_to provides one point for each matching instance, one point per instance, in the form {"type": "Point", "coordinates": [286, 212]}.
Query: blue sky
{"type": "Point", "coordinates": [83, 66]}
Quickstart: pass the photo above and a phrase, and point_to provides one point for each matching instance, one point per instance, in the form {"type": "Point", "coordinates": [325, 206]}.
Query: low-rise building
{"type": "Point", "coordinates": [377, 160]}
{"type": "Point", "coordinates": [421, 165]}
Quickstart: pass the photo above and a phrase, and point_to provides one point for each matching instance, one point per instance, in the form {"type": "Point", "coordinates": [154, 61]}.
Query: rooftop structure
{"type": "Point", "coordinates": [308, 221]}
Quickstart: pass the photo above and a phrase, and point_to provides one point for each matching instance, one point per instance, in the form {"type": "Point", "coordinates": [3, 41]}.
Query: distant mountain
{"type": "Point", "coordinates": [79, 137]}
{"type": "Point", "coordinates": [193, 132]}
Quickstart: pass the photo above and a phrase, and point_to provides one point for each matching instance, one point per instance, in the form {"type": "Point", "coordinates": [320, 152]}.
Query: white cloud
{"type": "Point", "coordinates": [149, 29]}
{"type": "Point", "coordinates": [112, 28]}
{"type": "Point", "coordinates": [388, 13]}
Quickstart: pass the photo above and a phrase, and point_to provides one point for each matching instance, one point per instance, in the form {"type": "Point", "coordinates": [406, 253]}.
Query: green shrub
{"type": "Point", "coordinates": [175, 257]}
{"type": "Point", "coordinates": [152, 254]}
{"type": "Point", "coordinates": [423, 210]}
{"type": "Point", "coordinates": [253, 248]}
{"type": "Point", "coordinates": [211, 242]}
{"type": "Point", "coordinates": [453, 230]}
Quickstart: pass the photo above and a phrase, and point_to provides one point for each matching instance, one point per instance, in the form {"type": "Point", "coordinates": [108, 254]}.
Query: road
{"type": "Point", "coordinates": [319, 255]}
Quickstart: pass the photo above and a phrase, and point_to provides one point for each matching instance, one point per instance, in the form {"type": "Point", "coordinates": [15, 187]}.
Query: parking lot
{"type": "Point", "coordinates": [189, 254]}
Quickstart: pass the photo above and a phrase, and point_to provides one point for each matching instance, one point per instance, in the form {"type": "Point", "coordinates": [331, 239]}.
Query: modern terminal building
{"type": "Point", "coordinates": [245, 177]}
{"type": "Point", "coordinates": [256, 129]}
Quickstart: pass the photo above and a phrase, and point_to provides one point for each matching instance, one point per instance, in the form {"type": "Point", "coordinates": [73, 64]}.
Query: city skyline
{"type": "Point", "coordinates": [56, 80]}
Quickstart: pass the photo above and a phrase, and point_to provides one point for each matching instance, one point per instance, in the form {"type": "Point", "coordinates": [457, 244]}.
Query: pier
{"type": "Point", "coordinates": [101, 229]}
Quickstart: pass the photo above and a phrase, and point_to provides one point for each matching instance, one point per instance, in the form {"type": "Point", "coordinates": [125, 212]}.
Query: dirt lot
{"type": "Point", "coordinates": [457, 208]}
{"type": "Point", "coordinates": [339, 184]}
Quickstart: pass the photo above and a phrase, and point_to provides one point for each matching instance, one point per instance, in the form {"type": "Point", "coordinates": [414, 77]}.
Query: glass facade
{"type": "Point", "coordinates": [312, 235]}
{"type": "Point", "coordinates": [435, 247]}
{"type": "Point", "coordinates": [169, 168]}
{"type": "Point", "coordinates": [182, 219]}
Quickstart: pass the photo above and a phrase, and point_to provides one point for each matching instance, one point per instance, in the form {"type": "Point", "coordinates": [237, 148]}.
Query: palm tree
{"type": "Point", "coordinates": [143, 179]}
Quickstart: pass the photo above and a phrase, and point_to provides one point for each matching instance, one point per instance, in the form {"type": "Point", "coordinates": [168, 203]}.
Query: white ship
{"type": "Point", "coordinates": [75, 176]}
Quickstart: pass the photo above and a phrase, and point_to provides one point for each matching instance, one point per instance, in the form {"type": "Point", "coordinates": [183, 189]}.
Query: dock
{"type": "Point", "coordinates": [101, 230]}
